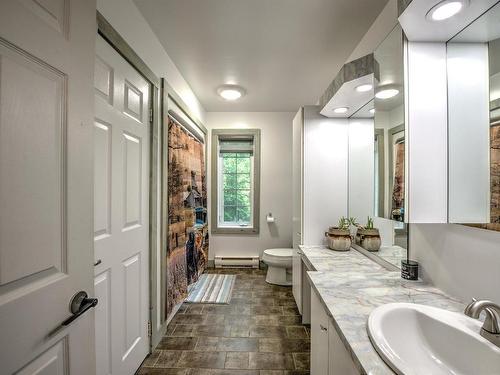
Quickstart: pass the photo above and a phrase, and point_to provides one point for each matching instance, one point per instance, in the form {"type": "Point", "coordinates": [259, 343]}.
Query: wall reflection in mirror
{"type": "Point", "coordinates": [377, 159]}
{"type": "Point", "coordinates": [474, 123]}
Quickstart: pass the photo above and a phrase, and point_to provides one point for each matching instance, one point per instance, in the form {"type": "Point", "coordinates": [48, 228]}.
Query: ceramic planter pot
{"type": "Point", "coordinates": [369, 239]}
{"type": "Point", "coordinates": [338, 239]}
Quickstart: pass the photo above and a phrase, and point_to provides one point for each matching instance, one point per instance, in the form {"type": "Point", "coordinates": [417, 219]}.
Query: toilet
{"type": "Point", "coordinates": [279, 263]}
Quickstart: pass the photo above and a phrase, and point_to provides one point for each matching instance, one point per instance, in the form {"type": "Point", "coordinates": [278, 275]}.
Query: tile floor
{"type": "Point", "coordinates": [258, 333]}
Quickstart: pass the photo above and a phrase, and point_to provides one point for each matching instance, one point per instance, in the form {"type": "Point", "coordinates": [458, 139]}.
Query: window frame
{"type": "Point", "coordinates": [216, 183]}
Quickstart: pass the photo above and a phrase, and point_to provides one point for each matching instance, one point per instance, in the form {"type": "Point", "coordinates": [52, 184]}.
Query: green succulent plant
{"type": "Point", "coordinates": [346, 222]}
{"type": "Point", "coordinates": [369, 224]}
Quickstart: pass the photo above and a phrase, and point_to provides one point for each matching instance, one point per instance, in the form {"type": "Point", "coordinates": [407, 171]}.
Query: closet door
{"type": "Point", "coordinates": [121, 212]}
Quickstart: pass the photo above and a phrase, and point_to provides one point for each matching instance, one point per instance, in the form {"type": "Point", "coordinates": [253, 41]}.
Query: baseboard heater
{"type": "Point", "coordinates": [236, 262]}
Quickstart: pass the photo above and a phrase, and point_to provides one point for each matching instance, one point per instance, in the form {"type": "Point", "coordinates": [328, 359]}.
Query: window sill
{"type": "Point", "coordinates": [234, 230]}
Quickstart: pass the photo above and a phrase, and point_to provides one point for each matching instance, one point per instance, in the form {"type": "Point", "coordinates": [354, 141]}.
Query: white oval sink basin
{"type": "Point", "coordinates": [416, 339]}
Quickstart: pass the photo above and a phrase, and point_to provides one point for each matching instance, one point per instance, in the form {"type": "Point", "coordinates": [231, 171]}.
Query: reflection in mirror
{"type": "Point", "coordinates": [474, 123]}
{"type": "Point", "coordinates": [377, 160]}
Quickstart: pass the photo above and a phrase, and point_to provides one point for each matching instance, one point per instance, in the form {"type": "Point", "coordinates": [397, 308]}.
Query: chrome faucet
{"type": "Point", "coordinates": [491, 326]}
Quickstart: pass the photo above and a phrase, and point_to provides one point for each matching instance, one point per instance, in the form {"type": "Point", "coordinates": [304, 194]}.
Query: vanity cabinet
{"type": "Point", "coordinates": [329, 355]}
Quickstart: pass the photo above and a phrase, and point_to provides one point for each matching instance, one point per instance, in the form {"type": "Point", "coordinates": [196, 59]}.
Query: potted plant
{"type": "Point", "coordinates": [368, 237]}
{"type": "Point", "coordinates": [339, 237]}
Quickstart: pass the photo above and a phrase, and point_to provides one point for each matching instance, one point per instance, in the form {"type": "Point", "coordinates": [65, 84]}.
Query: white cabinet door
{"type": "Point", "coordinates": [121, 212]}
{"type": "Point", "coordinates": [340, 361]}
{"type": "Point", "coordinates": [46, 249]}
{"type": "Point", "coordinates": [319, 337]}
{"type": "Point", "coordinates": [297, 208]}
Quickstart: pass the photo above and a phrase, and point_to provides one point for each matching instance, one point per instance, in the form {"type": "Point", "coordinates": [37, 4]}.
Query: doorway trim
{"type": "Point", "coordinates": [116, 41]}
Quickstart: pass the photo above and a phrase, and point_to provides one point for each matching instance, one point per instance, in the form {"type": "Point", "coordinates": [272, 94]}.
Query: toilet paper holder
{"type": "Point", "coordinates": [270, 218]}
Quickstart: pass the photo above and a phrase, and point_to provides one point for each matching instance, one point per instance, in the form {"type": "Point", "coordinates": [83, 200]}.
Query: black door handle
{"type": "Point", "coordinates": [80, 304]}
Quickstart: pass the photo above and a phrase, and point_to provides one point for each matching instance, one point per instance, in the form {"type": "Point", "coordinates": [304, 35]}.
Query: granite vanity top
{"type": "Point", "coordinates": [350, 287]}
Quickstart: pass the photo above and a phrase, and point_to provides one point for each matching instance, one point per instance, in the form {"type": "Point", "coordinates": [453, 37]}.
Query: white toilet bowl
{"type": "Point", "coordinates": [279, 263]}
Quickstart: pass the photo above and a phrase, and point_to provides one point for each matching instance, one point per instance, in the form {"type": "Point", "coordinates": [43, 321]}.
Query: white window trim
{"type": "Point", "coordinates": [218, 227]}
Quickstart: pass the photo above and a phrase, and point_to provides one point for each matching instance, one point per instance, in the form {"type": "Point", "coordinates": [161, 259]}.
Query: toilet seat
{"type": "Point", "coordinates": [279, 253]}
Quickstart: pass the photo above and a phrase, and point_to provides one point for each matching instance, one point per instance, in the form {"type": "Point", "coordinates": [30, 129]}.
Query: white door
{"type": "Point", "coordinates": [121, 206]}
{"type": "Point", "coordinates": [46, 129]}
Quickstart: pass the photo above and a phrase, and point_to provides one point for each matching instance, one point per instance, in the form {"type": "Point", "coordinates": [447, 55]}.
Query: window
{"type": "Point", "coordinates": [235, 181]}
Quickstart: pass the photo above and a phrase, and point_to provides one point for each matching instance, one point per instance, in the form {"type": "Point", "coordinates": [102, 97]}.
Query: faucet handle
{"type": "Point", "coordinates": [468, 308]}
{"type": "Point", "coordinates": [491, 322]}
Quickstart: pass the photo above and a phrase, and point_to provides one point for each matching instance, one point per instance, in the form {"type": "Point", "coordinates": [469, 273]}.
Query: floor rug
{"type": "Point", "coordinates": [212, 288]}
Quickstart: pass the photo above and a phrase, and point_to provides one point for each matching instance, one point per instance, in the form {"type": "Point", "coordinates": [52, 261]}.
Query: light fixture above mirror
{"type": "Point", "coordinates": [446, 9]}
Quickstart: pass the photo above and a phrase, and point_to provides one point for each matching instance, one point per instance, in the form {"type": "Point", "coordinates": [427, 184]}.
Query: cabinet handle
{"type": "Point", "coordinates": [323, 328]}
{"type": "Point", "coordinates": [299, 252]}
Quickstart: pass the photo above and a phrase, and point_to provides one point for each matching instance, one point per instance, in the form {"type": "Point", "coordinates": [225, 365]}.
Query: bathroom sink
{"type": "Point", "coordinates": [417, 339]}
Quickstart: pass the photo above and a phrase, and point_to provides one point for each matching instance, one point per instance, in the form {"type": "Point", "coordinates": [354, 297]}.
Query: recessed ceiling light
{"type": "Point", "coordinates": [386, 93]}
{"type": "Point", "coordinates": [341, 110]}
{"type": "Point", "coordinates": [446, 9]}
{"type": "Point", "coordinates": [364, 88]}
{"type": "Point", "coordinates": [231, 92]}
{"type": "Point", "coordinates": [372, 111]}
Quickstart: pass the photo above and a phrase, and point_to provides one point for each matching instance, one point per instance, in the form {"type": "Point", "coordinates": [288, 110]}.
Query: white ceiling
{"type": "Point", "coordinates": [283, 52]}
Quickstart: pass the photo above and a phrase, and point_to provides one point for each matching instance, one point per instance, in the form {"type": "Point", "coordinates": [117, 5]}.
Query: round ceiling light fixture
{"type": "Point", "coordinates": [386, 92]}
{"type": "Point", "coordinates": [364, 88]}
{"type": "Point", "coordinates": [340, 110]}
{"type": "Point", "coordinates": [231, 92]}
{"type": "Point", "coordinates": [372, 111]}
{"type": "Point", "coordinates": [446, 9]}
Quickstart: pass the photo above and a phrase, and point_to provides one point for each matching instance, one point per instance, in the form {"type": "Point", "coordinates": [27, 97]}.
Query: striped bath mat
{"type": "Point", "coordinates": [212, 288]}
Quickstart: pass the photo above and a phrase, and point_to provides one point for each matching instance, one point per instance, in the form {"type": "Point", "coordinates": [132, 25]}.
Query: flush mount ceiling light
{"type": "Point", "coordinates": [446, 9]}
{"type": "Point", "coordinates": [231, 92]}
{"type": "Point", "coordinates": [386, 92]}
{"type": "Point", "coordinates": [372, 111]}
{"type": "Point", "coordinates": [340, 110]}
{"type": "Point", "coordinates": [364, 88]}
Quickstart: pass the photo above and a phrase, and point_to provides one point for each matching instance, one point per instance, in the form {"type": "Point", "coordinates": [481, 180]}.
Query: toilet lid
{"type": "Point", "coordinates": [279, 252]}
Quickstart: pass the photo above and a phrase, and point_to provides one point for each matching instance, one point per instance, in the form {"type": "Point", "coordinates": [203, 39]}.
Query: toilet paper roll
{"type": "Point", "coordinates": [270, 219]}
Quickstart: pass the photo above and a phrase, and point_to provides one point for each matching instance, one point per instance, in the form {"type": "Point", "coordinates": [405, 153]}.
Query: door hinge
{"type": "Point", "coordinates": [150, 329]}
{"type": "Point", "coordinates": [151, 115]}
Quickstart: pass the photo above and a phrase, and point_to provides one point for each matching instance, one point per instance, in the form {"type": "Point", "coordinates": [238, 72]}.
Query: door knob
{"type": "Point", "coordinates": [79, 305]}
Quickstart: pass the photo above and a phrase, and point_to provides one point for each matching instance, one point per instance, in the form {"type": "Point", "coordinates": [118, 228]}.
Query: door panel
{"type": "Point", "coordinates": [121, 201]}
{"type": "Point", "coordinates": [46, 112]}
{"type": "Point", "coordinates": [102, 284]}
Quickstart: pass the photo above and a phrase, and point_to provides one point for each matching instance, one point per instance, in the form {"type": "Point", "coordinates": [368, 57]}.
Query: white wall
{"type": "Point", "coordinates": [378, 31]}
{"type": "Point", "coordinates": [124, 16]}
{"type": "Point", "coordinates": [276, 181]}
{"type": "Point", "coordinates": [460, 260]}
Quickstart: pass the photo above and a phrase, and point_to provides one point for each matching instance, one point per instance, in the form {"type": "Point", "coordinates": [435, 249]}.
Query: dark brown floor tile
{"type": "Point", "coordinates": [194, 308]}
{"type": "Point", "coordinates": [290, 320]}
{"type": "Point", "coordinates": [271, 372]}
{"type": "Point", "coordinates": [230, 344]}
{"type": "Point", "coordinates": [237, 320]}
{"type": "Point", "coordinates": [290, 310]}
{"type": "Point", "coordinates": [264, 310]}
{"type": "Point", "coordinates": [187, 318]}
{"type": "Point", "coordinates": [207, 344]}
{"type": "Point", "coordinates": [237, 360]}
{"type": "Point", "coordinates": [214, 319]}
{"type": "Point", "coordinates": [199, 371]}
{"type": "Point", "coordinates": [297, 372]}
{"type": "Point", "coordinates": [268, 331]}
{"type": "Point", "coordinates": [301, 361]}
{"type": "Point", "coordinates": [177, 343]}
{"type": "Point", "coordinates": [267, 320]}
{"type": "Point", "coordinates": [216, 309]}
{"type": "Point", "coordinates": [161, 371]}
{"type": "Point", "coordinates": [296, 332]}
{"type": "Point", "coordinates": [210, 360]}
{"type": "Point", "coordinates": [151, 359]}
{"type": "Point", "coordinates": [209, 330]}
{"type": "Point", "coordinates": [271, 361]}
{"type": "Point", "coordinates": [284, 345]}
{"type": "Point", "coordinates": [168, 359]}
{"type": "Point", "coordinates": [184, 330]}
{"type": "Point", "coordinates": [239, 331]}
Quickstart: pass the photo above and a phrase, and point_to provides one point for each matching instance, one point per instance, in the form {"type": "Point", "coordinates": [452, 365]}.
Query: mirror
{"type": "Point", "coordinates": [377, 160]}
{"type": "Point", "coordinates": [473, 59]}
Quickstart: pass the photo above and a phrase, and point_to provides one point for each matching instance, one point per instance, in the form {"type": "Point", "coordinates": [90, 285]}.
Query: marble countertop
{"type": "Point", "coordinates": [350, 287]}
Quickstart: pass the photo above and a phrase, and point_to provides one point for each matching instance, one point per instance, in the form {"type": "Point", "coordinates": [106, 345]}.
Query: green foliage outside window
{"type": "Point", "coordinates": [236, 172]}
